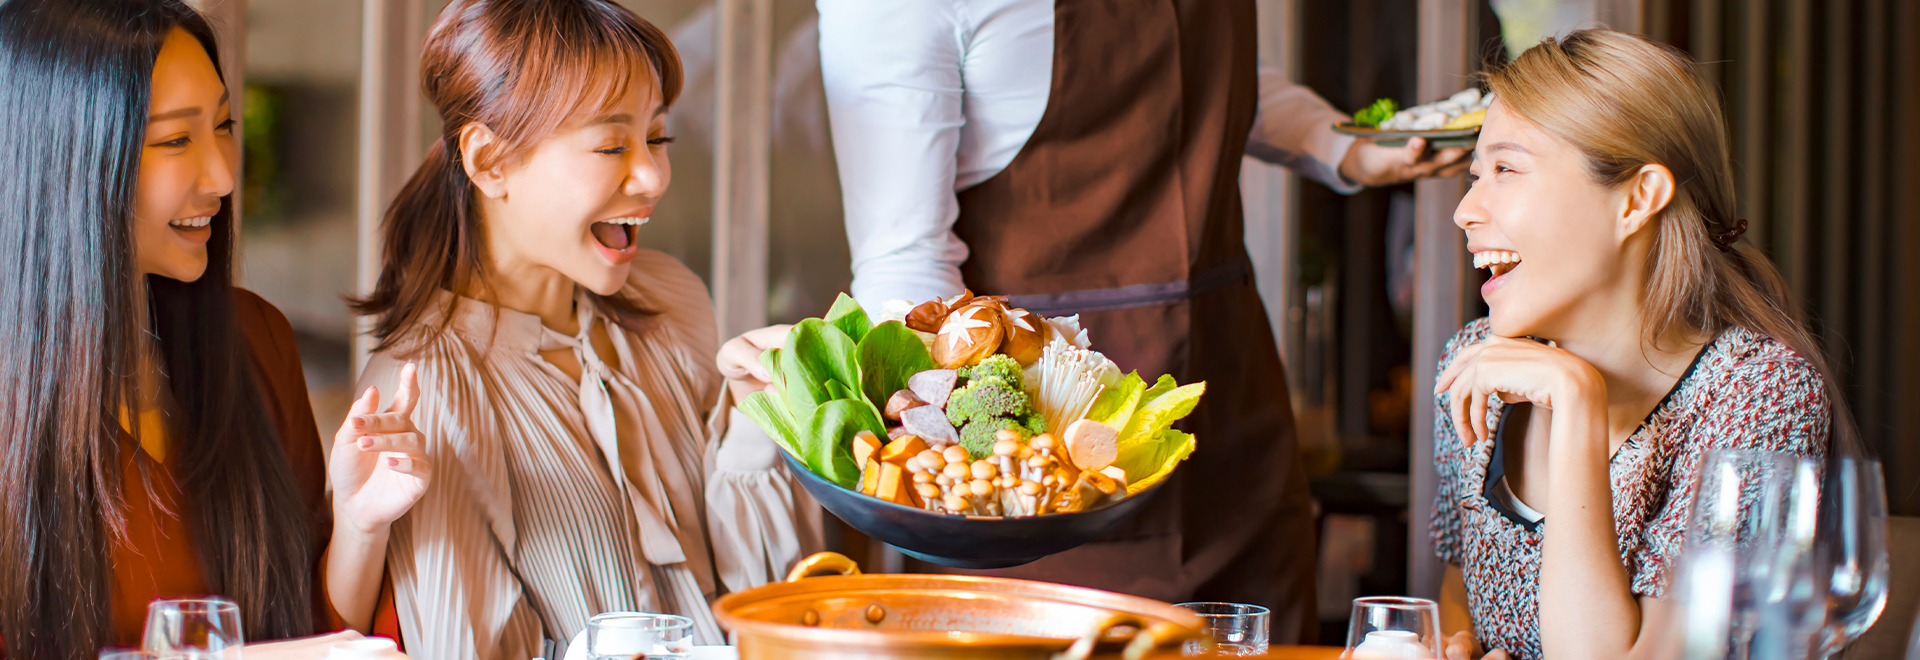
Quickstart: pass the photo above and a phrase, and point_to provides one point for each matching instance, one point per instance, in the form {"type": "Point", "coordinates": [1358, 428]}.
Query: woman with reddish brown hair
{"type": "Point", "coordinates": [569, 373]}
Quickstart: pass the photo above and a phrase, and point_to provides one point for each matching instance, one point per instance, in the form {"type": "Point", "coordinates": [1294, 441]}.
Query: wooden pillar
{"type": "Point", "coordinates": [391, 144]}
{"type": "Point", "coordinates": [742, 156]}
{"type": "Point", "coordinates": [1445, 60]}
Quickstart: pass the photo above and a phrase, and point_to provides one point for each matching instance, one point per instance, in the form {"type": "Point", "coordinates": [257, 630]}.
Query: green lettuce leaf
{"type": "Point", "coordinates": [890, 354]}
{"type": "Point", "coordinates": [1161, 406]}
{"type": "Point", "coordinates": [1163, 454]}
{"type": "Point", "coordinates": [771, 414]}
{"type": "Point", "coordinates": [847, 315]}
{"type": "Point", "coordinates": [815, 354]}
{"type": "Point", "coordinates": [1160, 387]}
{"type": "Point", "coordinates": [1115, 405]}
{"type": "Point", "coordinates": [770, 360]}
{"type": "Point", "coordinates": [1144, 441]}
{"type": "Point", "coordinates": [826, 445]}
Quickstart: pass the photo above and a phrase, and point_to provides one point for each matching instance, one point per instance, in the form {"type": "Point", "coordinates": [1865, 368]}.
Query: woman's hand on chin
{"type": "Point", "coordinates": [739, 359]}
{"type": "Point", "coordinates": [378, 466]}
{"type": "Point", "coordinates": [1519, 370]}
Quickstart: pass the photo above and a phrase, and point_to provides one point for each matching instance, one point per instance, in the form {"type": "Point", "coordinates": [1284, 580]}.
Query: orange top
{"type": "Point", "coordinates": [159, 559]}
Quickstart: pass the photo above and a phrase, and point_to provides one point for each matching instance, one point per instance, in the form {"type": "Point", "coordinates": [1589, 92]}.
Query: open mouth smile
{"type": "Point", "coordinates": [196, 229]}
{"type": "Point", "coordinates": [618, 238]}
{"type": "Point", "coordinates": [1498, 262]}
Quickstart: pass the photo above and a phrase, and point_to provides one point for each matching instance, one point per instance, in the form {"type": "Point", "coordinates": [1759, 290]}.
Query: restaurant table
{"type": "Point", "coordinates": [1274, 653]}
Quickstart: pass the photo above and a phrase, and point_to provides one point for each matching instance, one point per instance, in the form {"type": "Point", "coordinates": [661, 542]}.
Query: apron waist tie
{"type": "Point", "coordinates": [1133, 295]}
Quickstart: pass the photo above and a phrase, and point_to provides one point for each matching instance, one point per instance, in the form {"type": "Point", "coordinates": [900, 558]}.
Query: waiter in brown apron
{"type": "Point", "coordinates": [1082, 157]}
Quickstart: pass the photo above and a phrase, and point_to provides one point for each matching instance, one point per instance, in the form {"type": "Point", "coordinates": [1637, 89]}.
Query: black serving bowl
{"type": "Point", "coordinates": [962, 542]}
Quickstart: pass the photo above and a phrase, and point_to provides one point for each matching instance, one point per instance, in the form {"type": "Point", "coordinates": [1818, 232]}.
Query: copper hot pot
{"type": "Point", "coordinates": [852, 616]}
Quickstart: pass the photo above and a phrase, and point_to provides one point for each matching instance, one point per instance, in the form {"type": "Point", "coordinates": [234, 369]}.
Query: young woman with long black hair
{"type": "Point", "coordinates": [159, 442]}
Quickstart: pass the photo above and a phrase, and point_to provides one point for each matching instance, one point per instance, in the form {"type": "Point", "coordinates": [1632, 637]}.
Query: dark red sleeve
{"type": "Point", "coordinates": [283, 386]}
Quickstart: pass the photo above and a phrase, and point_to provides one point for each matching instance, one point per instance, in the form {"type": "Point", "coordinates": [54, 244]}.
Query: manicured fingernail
{"type": "Point", "coordinates": [359, 422]}
{"type": "Point", "coordinates": [366, 442]}
{"type": "Point", "coordinates": [393, 462]}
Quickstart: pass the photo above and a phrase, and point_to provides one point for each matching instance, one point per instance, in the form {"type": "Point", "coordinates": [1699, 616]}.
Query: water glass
{"type": "Point", "coordinates": [1237, 629]}
{"type": "Point", "coordinates": [1393, 628]}
{"type": "Point", "coordinates": [1853, 542]}
{"type": "Point", "coordinates": [192, 629]}
{"type": "Point", "coordinates": [629, 635]}
{"type": "Point", "coordinates": [125, 654]}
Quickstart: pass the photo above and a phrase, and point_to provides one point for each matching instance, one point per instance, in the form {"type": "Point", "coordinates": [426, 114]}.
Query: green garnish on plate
{"type": "Point", "coordinates": [1373, 115]}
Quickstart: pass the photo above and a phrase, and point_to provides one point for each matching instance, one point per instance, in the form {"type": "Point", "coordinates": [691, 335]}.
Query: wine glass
{"type": "Point", "coordinates": [1853, 538]}
{"type": "Point", "coordinates": [192, 629]}
{"type": "Point", "coordinates": [1393, 628]}
{"type": "Point", "coordinates": [627, 635]}
{"type": "Point", "coordinates": [1237, 629]}
{"type": "Point", "coordinates": [1738, 541]}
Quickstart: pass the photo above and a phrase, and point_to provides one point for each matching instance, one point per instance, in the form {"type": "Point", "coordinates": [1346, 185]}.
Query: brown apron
{"type": "Point", "coordinates": [1124, 207]}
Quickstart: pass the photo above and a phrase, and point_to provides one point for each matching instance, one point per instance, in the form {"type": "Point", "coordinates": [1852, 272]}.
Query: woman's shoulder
{"type": "Point", "coordinates": [678, 297]}
{"type": "Point", "coordinates": [267, 330]}
{"type": "Point", "coordinates": [1752, 388]}
{"type": "Point", "coordinates": [1741, 365]}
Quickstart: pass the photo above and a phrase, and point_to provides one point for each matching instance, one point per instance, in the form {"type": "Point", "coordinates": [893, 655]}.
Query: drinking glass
{"type": "Point", "coordinates": [1393, 628]}
{"type": "Point", "coordinates": [1749, 577]}
{"type": "Point", "coordinates": [192, 629]}
{"type": "Point", "coordinates": [1853, 540]}
{"type": "Point", "coordinates": [629, 635]}
{"type": "Point", "coordinates": [1237, 629]}
{"type": "Point", "coordinates": [125, 654]}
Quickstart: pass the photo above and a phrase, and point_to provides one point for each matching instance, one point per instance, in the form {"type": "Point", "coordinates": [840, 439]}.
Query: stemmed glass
{"type": "Point", "coordinates": [1740, 538]}
{"type": "Point", "coordinates": [1853, 540]}
{"type": "Point", "coordinates": [192, 629]}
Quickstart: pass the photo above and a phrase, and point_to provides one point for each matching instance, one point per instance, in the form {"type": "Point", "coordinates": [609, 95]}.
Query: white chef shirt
{"type": "Point", "coordinates": [930, 97]}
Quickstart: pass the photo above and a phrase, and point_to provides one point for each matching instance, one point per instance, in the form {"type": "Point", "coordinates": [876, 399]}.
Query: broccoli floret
{"type": "Point", "coordinates": [978, 437]}
{"type": "Point", "coordinates": [995, 367]}
{"type": "Point", "coordinates": [986, 399]}
{"type": "Point", "coordinates": [1034, 423]}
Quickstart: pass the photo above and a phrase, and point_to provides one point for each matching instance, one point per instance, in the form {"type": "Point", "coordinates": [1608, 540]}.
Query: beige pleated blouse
{"type": "Point", "coordinates": [555, 499]}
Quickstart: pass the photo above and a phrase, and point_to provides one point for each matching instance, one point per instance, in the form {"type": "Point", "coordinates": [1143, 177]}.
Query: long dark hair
{"type": "Point", "coordinates": [521, 68]}
{"type": "Point", "coordinates": [75, 79]}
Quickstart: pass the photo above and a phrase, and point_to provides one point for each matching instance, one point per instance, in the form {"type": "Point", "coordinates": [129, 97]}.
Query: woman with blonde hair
{"type": "Point", "coordinates": [1630, 331]}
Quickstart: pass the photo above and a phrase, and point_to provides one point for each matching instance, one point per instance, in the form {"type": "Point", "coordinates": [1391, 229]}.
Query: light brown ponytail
{"type": "Point", "coordinates": [1626, 101]}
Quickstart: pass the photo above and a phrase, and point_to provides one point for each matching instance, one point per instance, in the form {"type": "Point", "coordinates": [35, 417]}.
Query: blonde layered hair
{"type": "Point", "coordinates": [1625, 102]}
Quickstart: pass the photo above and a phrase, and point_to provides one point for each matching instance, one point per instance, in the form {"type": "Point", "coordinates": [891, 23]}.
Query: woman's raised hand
{"type": "Point", "coordinates": [1517, 369]}
{"type": "Point", "coordinates": [739, 359]}
{"type": "Point", "coordinates": [378, 466]}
